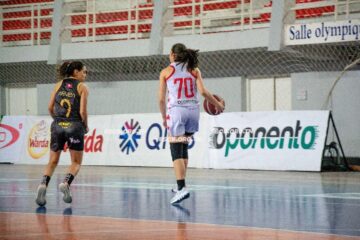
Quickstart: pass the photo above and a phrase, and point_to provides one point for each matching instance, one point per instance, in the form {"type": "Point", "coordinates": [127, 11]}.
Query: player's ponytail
{"type": "Point", "coordinates": [186, 56]}
{"type": "Point", "coordinates": [67, 68]}
{"type": "Point", "coordinates": [192, 59]}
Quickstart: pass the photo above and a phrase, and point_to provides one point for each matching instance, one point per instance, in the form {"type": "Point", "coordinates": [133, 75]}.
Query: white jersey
{"type": "Point", "coordinates": [181, 86]}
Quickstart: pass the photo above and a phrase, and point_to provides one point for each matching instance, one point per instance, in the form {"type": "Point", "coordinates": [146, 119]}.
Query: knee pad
{"type": "Point", "coordinates": [177, 150]}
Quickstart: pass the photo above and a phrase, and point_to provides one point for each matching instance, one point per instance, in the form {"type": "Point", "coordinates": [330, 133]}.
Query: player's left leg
{"type": "Point", "coordinates": [49, 170]}
{"type": "Point", "coordinates": [179, 164]}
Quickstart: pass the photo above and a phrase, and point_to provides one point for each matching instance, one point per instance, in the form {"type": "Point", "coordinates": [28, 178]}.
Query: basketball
{"type": "Point", "coordinates": [210, 108]}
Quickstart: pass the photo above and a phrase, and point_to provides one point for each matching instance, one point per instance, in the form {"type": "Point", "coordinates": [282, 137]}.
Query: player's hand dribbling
{"type": "Point", "coordinates": [221, 106]}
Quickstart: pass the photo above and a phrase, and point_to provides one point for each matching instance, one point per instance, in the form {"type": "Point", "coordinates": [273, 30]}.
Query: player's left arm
{"type": "Point", "coordinates": [84, 92]}
{"type": "Point", "coordinates": [52, 99]}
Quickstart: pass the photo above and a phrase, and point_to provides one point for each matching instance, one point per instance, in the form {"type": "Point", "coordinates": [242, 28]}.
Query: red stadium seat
{"type": "Point", "coordinates": [14, 2]}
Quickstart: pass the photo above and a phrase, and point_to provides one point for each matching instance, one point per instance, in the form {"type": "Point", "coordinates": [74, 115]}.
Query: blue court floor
{"type": "Point", "coordinates": [327, 203]}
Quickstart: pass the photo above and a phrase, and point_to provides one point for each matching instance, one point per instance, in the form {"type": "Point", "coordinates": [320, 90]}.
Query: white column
{"type": "Point", "coordinates": [159, 28]}
{"type": "Point", "coordinates": [280, 15]}
{"type": "Point", "coordinates": [55, 42]}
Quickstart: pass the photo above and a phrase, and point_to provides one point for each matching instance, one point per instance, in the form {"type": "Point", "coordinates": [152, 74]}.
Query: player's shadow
{"type": "Point", "coordinates": [181, 213]}
{"type": "Point", "coordinates": [41, 210]}
{"type": "Point", "coordinates": [67, 211]}
{"type": "Point", "coordinates": [42, 223]}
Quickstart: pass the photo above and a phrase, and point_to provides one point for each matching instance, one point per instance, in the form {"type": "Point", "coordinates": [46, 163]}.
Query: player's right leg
{"type": "Point", "coordinates": [75, 138]}
{"type": "Point", "coordinates": [76, 160]}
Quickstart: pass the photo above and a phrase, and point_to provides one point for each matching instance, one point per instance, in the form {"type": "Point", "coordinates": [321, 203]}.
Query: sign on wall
{"type": "Point", "coordinates": [322, 32]}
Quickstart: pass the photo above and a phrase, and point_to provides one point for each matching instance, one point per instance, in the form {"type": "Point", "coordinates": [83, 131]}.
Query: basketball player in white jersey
{"type": "Point", "coordinates": [182, 81]}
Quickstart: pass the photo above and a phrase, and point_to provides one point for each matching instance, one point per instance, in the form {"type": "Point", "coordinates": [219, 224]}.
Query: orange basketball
{"type": "Point", "coordinates": [210, 108]}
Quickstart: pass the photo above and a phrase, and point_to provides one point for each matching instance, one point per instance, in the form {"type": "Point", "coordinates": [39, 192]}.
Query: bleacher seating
{"type": "Point", "coordinates": [11, 23]}
{"type": "Point", "coordinates": [313, 12]}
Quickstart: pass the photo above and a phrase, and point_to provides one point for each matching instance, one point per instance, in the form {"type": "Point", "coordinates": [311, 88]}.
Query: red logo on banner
{"type": "Point", "coordinates": [8, 135]}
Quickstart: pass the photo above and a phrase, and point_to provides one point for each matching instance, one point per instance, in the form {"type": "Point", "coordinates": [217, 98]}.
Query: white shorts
{"type": "Point", "coordinates": [181, 120]}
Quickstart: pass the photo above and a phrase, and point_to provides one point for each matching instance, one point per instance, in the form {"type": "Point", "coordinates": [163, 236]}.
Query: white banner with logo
{"type": "Point", "coordinates": [322, 32]}
{"type": "Point", "coordinates": [12, 137]}
{"type": "Point", "coordinates": [36, 148]}
{"type": "Point", "coordinates": [249, 140]}
{"type": "Point", "coordinates": [268, 140]}
{"type": "Point", "coordinates": [37, 141]}
{"type": "Point", "coordinates": [141, 140]}
{"type": "Point", "coordinates": [114, 140]}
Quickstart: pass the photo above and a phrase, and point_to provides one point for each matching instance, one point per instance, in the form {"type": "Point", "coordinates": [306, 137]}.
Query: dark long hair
{"type": "Point", "coordinates": [186, 56]}
{"type": "Point", "coordinates": [67, 68]}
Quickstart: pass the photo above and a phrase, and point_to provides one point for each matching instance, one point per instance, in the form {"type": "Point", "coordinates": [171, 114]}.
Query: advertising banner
{"type": "Point", "coordinates": [268, 140]}
{"type": "Point", "coordinates": [141, 140]}
{"type": "Point", "coordinates": [36, 149]}
{"type": "Point", "coordinates": [291, 140]}
{"type": "Point", "coordinates": [37, 141]}
{"type": "Point", "coordinates": [12, 130]}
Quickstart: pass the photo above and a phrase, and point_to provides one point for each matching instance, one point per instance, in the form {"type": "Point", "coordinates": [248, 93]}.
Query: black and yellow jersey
{"type": "Point", "coordinates": [67, 100]}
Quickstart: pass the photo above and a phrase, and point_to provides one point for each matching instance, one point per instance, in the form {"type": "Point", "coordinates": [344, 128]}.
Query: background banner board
{"type": "Point", "coordinates": [268, 140]}
{"type": "Point", "coordinates": [291, 140]}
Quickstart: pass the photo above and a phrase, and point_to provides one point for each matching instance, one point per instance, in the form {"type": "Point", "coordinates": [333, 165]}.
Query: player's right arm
{"type": "Point", "coordinates": [162, 93]}
{"type": "Point", "coordinates": [205, 93]}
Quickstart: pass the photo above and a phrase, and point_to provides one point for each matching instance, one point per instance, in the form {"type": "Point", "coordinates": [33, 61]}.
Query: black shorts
{"type": "Point", "coordinates": [71, 133]}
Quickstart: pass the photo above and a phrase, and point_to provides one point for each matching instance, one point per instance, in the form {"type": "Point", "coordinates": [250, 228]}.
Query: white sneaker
{"type": "Point", "coordinates": [65, 189]}
{"type": "Point", "coordinates": [40, 196]}
{"type": "Point", "coordinates": [180, 195]}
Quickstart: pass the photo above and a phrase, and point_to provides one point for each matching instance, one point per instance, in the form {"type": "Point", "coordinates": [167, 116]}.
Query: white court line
{"type": "Point", "coordinates": [6, 180]}
{"type": "Point", "coordinates": [334, 195]}
{"type": "Point", "coordinates": [143, 185]}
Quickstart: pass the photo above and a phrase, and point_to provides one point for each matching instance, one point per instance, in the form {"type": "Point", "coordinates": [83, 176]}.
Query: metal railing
{"type": "Point", "coordinates": [207, 16]}
{"type": "Point", "coordinates": [97, 20]}
{"type": "Point", "coordinates": [330, 10]}
{"type": "Point", "coordinates": [89, 22]}
{"type": "Point", "coordinates": [33, 24]}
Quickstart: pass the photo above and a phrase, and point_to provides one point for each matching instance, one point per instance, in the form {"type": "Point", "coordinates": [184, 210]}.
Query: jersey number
{"type": "Point", "coordinates": [68, 109]}
{"type": "Point", "coordinates": [186, 84]}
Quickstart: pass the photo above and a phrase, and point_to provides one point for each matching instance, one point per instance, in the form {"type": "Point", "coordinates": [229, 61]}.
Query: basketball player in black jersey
{"type": "Point", "coordinates": [68, 108]}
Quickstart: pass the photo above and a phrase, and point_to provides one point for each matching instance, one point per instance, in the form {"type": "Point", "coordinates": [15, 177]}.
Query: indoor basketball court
{"type": "Point", "coordinates": [133, 203]}
{"type": "Point", "coordinates": [179, 119]}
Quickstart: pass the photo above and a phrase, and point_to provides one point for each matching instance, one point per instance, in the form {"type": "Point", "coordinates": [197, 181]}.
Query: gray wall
{"type": "Point", "coordinates": [116, 49]}
{"type": "Point", "coordinates": [140, 96]}
{"type": "Point", "coordinates": [345, 102]}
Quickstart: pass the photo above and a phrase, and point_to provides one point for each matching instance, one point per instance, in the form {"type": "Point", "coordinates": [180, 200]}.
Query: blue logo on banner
{"type": "Point", "coordinates": [130, 136]}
